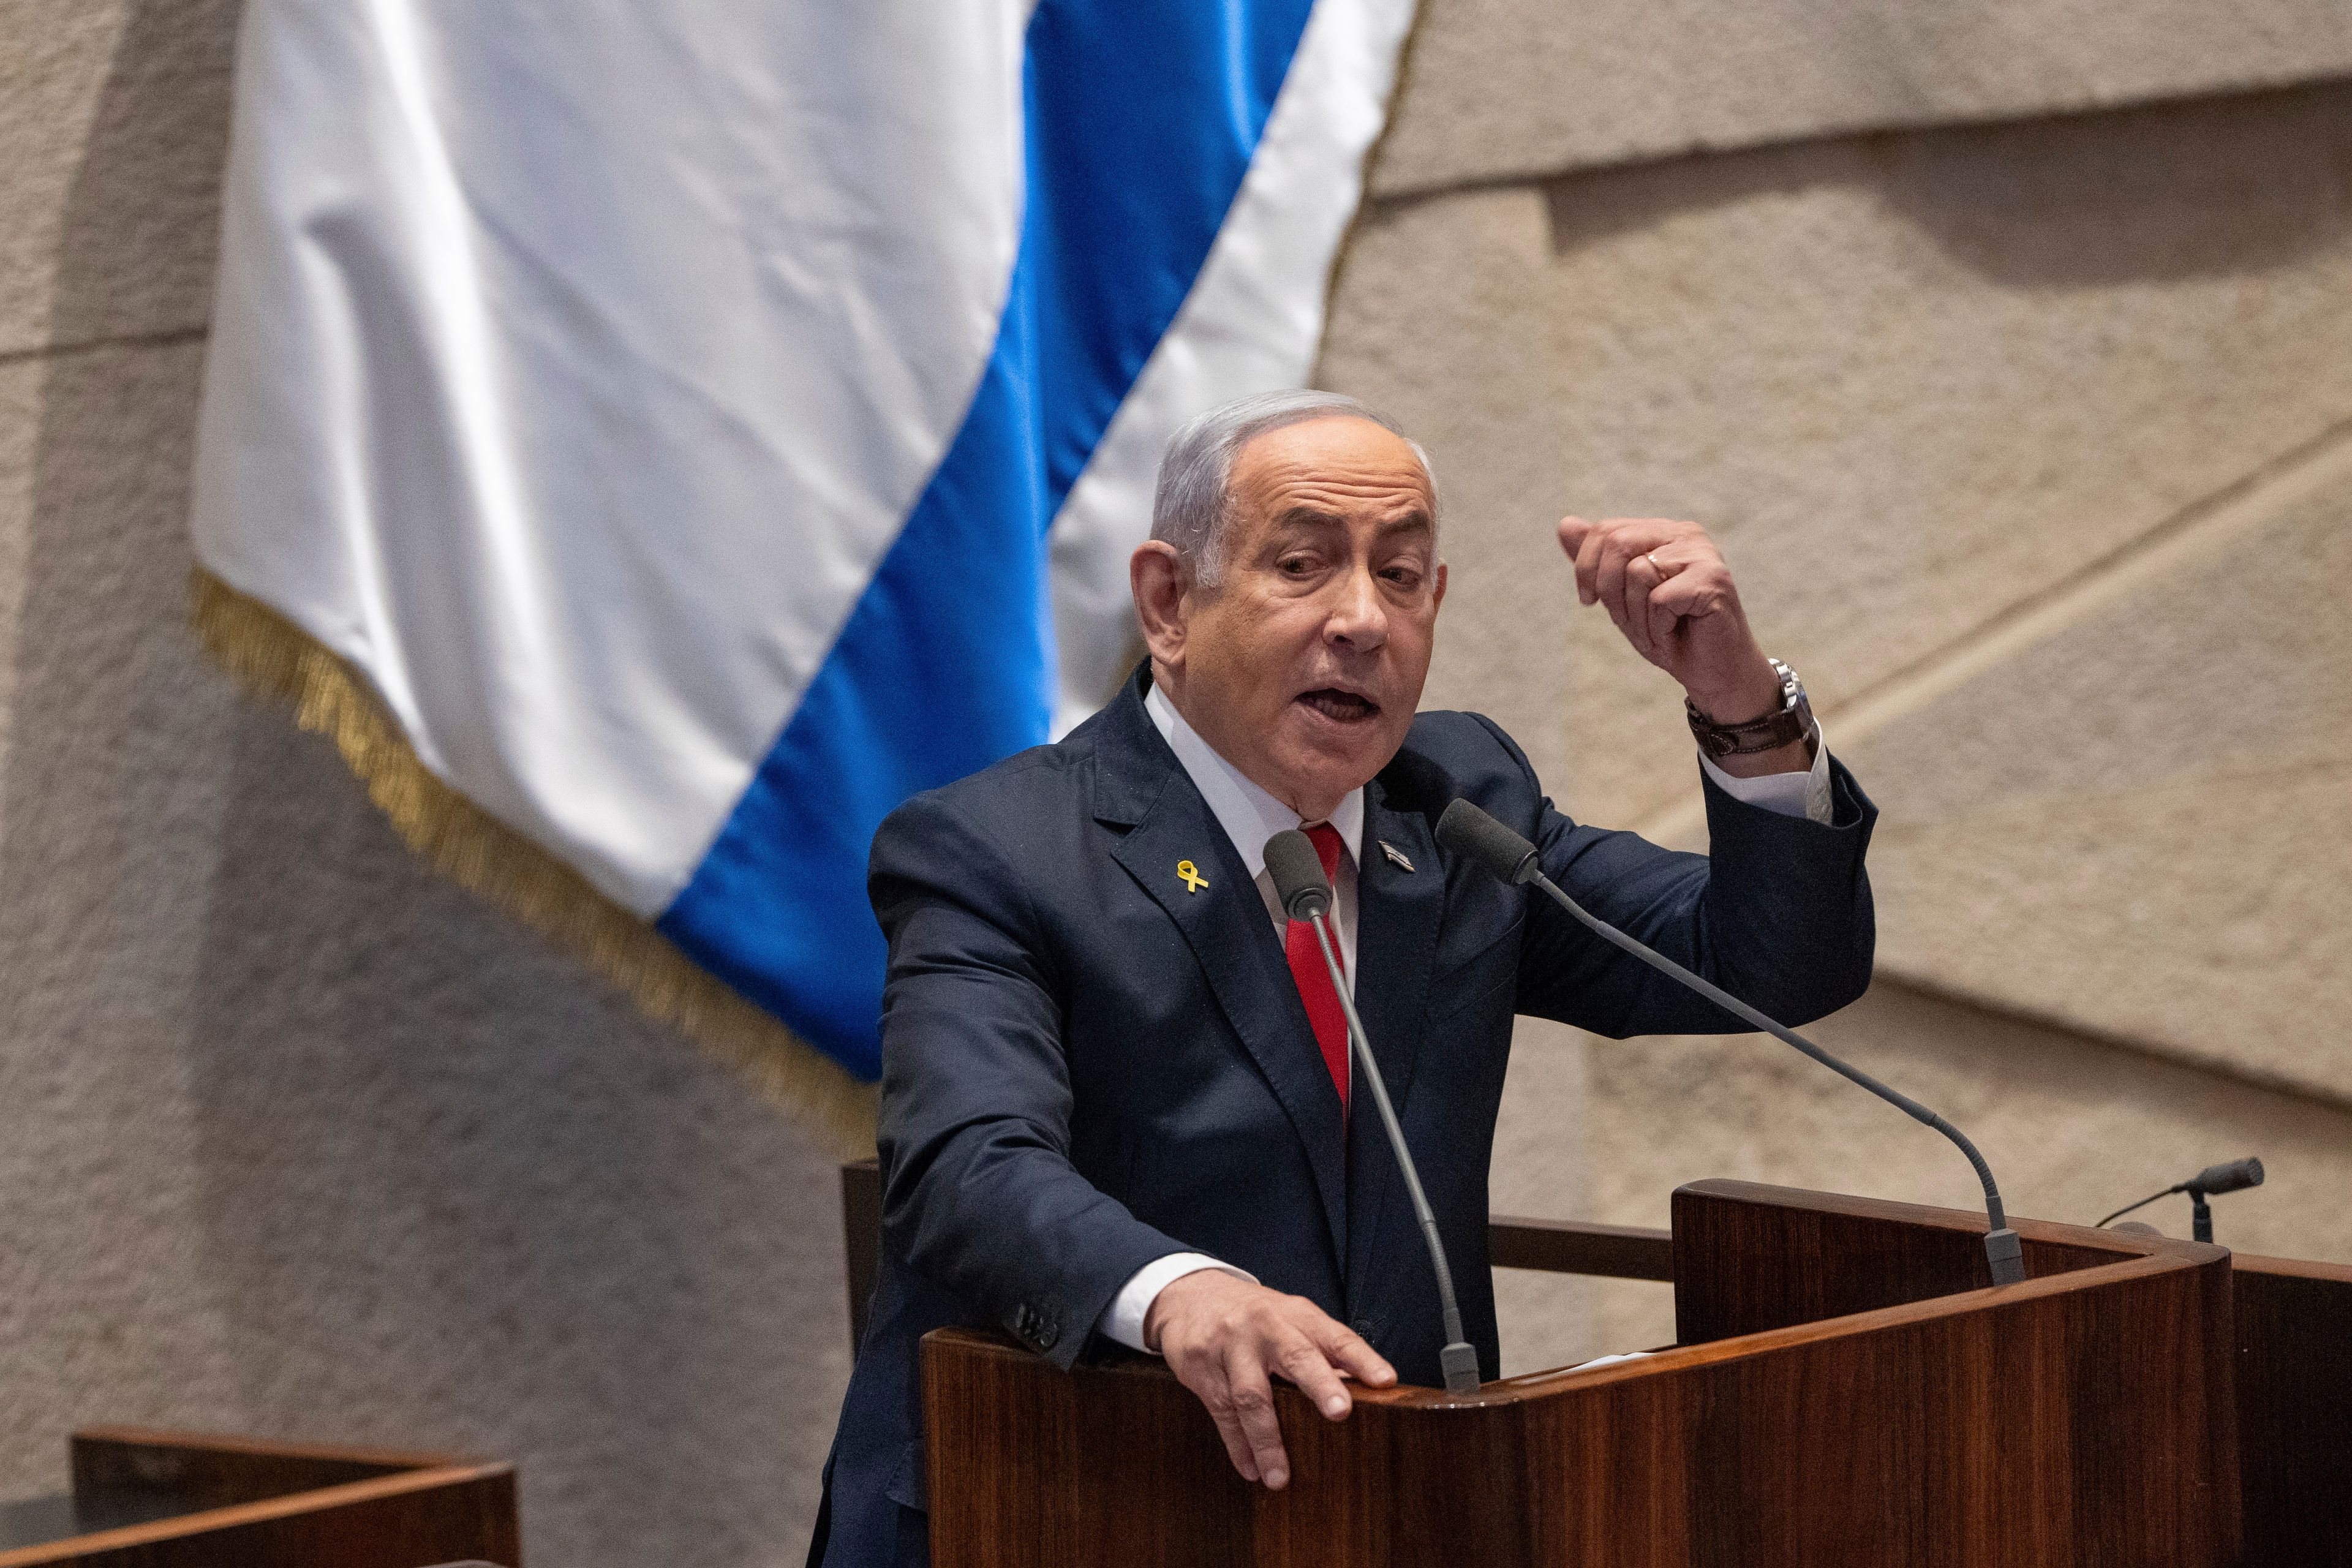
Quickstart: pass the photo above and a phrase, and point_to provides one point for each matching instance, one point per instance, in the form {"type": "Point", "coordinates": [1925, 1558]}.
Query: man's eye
{"type": "Point", "coordinates": [1296, 566]}
{"type": "Point", "coordinates": [1402, 576]}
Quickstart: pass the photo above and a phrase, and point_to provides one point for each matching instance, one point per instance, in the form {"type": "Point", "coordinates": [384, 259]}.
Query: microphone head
{"type": "Point", "coordinates": [2231, 1176]}
{"type": "Point", "coordinates": [1297, 872]}
{"type": "Point", "coordinates": [1475, 836]}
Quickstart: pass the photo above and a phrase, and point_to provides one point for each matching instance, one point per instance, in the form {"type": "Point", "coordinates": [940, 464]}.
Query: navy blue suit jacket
{"type": "Point", "coordinates": [1088, 1065]}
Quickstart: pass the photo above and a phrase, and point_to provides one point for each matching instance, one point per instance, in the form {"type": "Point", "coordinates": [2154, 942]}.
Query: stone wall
{"type": "Point", "coordinates": [2006, 350]}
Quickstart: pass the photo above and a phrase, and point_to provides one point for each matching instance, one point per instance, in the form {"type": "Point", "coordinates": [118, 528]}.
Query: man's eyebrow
{"type": "Point", "coordinates": [1305, 516]}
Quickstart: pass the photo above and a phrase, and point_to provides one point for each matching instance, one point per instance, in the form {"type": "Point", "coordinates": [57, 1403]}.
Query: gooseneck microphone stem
{"type": "Point", "coordinates": [2141, 1205]}
{"type": "Point", "coordinates": [2002, 1249]}
{"type": "Point", "coordinates": [1473, 833]}
{"type": "Point", "coordinates": [1305, 894]}
{"type": "Point", "coordinates": [1459, 1360]}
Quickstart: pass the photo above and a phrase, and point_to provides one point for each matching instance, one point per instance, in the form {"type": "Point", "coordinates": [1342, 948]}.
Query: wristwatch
{"type": "Point", "coordinates": [1792, 721]}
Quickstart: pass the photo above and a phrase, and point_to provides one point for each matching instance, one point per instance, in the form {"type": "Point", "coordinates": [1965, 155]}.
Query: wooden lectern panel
{"type": "Point", "coordinates": [2129, 1371]}
{"type": "Point", "coordinates": [2295, 1410]}
{"type": "Point", "coordinates": [1750, 1257]}
{"type": "Point", "coordinates": [2045, 1423]}
{"type": "Point", "coordinates": [167, 1499]}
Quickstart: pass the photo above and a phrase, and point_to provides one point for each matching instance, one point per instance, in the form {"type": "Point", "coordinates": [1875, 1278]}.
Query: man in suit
{"type": "Point", "coordinates": [1117, 1099]}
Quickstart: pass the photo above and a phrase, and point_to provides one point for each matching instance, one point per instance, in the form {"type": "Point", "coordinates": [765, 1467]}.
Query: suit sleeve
{"type": "Point", "coordinates": [980, 1196]}
{"type": "Point", "coordinates": [1778, 913]}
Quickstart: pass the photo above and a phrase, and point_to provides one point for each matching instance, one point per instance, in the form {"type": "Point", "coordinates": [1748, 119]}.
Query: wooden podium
{"type": "Point", "coordinates": [1847, 1389]}
{"type": "Point", "coordinates": [182, 1499]}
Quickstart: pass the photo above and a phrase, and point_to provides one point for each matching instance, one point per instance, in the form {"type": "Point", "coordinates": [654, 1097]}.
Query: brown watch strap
{"type": "Point", "coordinates": [1790, 722]}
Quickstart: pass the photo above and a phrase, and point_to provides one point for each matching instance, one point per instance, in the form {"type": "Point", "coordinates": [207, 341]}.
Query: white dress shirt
{"type": "Point", "coordinates": [1250, 816]}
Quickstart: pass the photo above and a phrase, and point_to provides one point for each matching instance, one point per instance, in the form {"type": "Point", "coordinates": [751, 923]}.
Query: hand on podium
{"type": "Point", "coordinates": [1225, 1339]}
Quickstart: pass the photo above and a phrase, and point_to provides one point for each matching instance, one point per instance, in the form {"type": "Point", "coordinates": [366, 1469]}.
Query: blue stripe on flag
{"type": "Point", "coordinates": [1141, 120]}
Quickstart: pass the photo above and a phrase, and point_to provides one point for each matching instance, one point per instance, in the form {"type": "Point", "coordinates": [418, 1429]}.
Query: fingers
{"type": "Point", "coordinates": [1643, 575]}
{"type": "Point", "coordinates": [1657, 577]}
{"type": "Point", "coordinates": [1226, 1339]}
{"type": "Point", "coordinates": [1610, 579]}
{"type": "Point", "coordinates": [1251, 1398]}
{"type": "Point", "coordinates": [1689, 592]}
{"type": "Point", "coordinates": [1626, 575]}
{"type": "Point", "coordinates": [1208, 1371]}
{"type": "Point", "coordinates": [1304, 1363]}
{"type": "Point", "coordinates": [1603, 551]}
{"type": "Point", "coordinates": [1572, 534]}
{"type": "Point", "coordinates": [1353, 1354]}
{"type": "Point", "coordinates": [1228, 1428]}
{"type": "Point", "coordinates": [1587, 564]}
{"type": "Point", "coordinates": [1666, 622]}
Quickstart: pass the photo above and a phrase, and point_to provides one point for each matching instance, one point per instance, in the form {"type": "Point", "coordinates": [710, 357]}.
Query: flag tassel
{"type": "Point", "coordinates": [280, 662]}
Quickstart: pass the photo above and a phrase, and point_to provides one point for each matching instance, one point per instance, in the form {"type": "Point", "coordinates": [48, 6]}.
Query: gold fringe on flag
{"type": "Point", "coordinates": [279, 660]}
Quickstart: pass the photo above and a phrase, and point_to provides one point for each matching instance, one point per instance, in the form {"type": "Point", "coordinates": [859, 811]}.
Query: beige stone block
{"type": "Point", "coordinates": [1910, 382]}
{"type": "Point", "coordinates": [2141, 823]}
{"type": "Point", "coordinates": [114, 118]}
{"type": "Point", "coordinates": [296, 1136]}
{"type": "Point", "coordinates": [1507, 88]}
{"type": "Point", "coordinates": [2073, 1129]}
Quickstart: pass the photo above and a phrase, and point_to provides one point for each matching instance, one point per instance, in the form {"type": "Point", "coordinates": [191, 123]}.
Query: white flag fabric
{"type": "Point", "coordinates": [696, 427]}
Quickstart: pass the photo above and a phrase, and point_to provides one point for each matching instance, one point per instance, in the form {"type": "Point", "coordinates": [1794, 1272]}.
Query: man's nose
{"type": "Point", "coordinates": [1358, 617]}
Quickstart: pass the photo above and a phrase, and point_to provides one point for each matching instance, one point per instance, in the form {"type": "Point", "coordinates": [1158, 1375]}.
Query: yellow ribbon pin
{"type": "Point", "coordinates": [1190, 874]}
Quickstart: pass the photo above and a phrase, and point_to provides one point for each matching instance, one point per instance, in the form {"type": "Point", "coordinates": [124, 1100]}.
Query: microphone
{"type": "Point", "coordinates": [1478, 838]}
{"type": "Point", "coordinates": [1306, 895]}
{"type": "Point", "coordinates": [2228, 1176]}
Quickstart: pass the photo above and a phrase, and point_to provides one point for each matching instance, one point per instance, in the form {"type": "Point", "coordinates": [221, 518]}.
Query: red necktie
{"type": "Point", "coordinates": [1313, 978]}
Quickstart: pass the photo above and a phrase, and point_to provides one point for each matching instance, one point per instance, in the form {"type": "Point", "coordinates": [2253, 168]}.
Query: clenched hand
{"type": "Point", "coordinates": [1667, 587]}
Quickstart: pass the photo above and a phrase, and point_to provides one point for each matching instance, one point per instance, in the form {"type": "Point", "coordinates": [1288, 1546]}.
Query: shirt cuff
{"type": "Point", "coordinates": [1805, 795]}
{"type": "Point", "coordinates": [1123, 1318]}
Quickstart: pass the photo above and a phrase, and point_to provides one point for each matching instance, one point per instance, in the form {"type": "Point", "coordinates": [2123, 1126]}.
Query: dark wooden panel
{"type": "Point", "coordinates": [2049, 1423]}
{"type": "Point", "coordinates": [199, 1473]}
{"type": "Point", "coordinates": [1754, 1257]}
{"type": "Point", "coordinates": [861, 1238]}
{"type": "Point", "coordinates": [2295, 1410]}
{"type": "Point", "coordinates": [1194, 1509]}
{"type": "Point", "coordinates": [2040, 1424]}
{"type": "Point", "coordinates": [410, 1509]}
{"type": "Point", "coordinates": [1579, 1246]}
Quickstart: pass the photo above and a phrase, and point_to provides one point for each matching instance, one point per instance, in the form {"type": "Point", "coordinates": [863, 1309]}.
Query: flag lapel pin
{"type": "Point", "coordinates": [1396, 856]}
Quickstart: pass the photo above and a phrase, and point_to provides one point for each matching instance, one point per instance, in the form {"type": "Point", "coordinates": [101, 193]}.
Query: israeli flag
{"type": "Point", "coordinates": [695, 425]}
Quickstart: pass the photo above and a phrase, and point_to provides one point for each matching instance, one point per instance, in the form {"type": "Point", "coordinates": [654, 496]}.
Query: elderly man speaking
{"type": "Point", "coordinates": [1117, 1101]}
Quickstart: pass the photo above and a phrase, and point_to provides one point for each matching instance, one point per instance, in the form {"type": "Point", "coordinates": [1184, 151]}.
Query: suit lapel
{"type": "Point", "coordinates": [1227, 925]}
{"type": "Point", "coordinates": [1398, 913]}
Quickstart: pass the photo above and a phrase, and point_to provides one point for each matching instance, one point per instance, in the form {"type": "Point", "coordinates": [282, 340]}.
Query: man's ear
{"type": "Point", "coordinates": [1158, 579]}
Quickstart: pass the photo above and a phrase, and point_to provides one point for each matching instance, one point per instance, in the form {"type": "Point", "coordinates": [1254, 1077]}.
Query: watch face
{"type": "Point", "coordinates": [1792, 689]}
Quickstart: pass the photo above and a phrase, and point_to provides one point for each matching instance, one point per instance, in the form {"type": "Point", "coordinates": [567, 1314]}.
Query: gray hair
{"type": "Point", "coordinates": [1191, 506]}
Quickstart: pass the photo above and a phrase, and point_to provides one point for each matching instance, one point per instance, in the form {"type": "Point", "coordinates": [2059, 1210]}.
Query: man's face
{"type": "Point", "coordinates": [1303, 666]}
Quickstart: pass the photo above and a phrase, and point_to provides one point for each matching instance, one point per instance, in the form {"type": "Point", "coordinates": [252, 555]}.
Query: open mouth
{"type": "Point", "coordinates": [1340, 707]}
